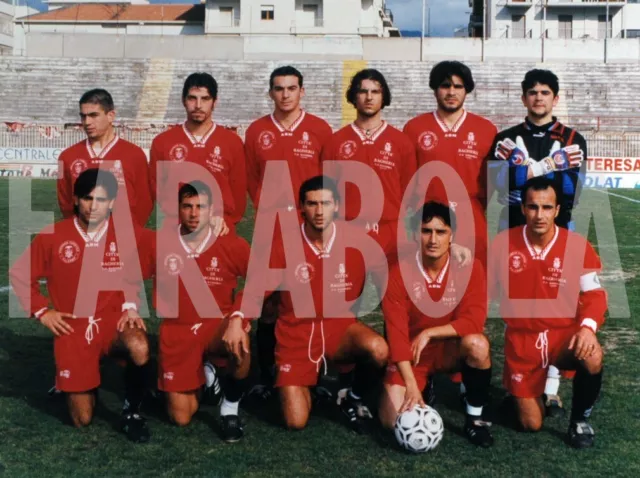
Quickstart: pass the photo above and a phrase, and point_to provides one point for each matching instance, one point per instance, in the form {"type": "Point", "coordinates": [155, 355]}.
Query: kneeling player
{"type": "Point", "coordinates": [201, 268]}
{"type": "Point", "coordinates": [303, 345]}
{"type": "Point", "coordinates": [450, 340]}
{"type": "Point", "coordinates": [60, 255]}
{"type": "Point", "coordinates": [529, 262]}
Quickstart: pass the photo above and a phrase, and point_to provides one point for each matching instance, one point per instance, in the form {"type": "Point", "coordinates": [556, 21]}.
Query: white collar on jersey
{"type": "Point", "coordinates": [327, 248]}
{"type": "Point", "coordinates": [293, 126]}
{"type": "Point", "coordinates": [542, 255]}
{"type": "Point", "coordinates": [202, 142]}
{"type": "Point", "coordinates": [455, 127]}
{"type": "Point", "coordinates": [374, 135]}
{"type": "Point", "coordinates": [428, 278]}
{"type": "Point", "coordinates": [97, 235]}
{"type": "Point", "coordinates": [198, 250]}
{"type": "Point", "coordinates": [104, 151]}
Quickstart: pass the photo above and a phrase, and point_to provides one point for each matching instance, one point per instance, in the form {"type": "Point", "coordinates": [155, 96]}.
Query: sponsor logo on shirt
{"type": "Point", "coordinates": [168, 375]}
{"type": "Point", "coordinates": [385, 161]}
{"type": "Point", "coordinates": [347, 149]}
{"type": "Point", "coordinates": [65, 373]}
{"type": "Point", "coordinates": [112, 260]}
{"type": "Point", "coordinates": [266, 140]}
{"type": "Point", "coordinates": [69, 252]}
{"type": "Point", "coordinates": [305, 272]}
{"type": "Point", "coordinates": [178, 153]}
{"type": "Point", "coordinates": [428, 140]}
{"type": "Point", "coordinates": [305, 147]}
{"type": "Point", "coordinates": [342, 283]}
{"type": "Point", "coordinates": [214, 163]}
{"type": "Point", "coordinates": [213, 270]}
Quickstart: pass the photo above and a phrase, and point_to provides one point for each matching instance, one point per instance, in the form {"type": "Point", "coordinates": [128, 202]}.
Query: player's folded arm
{"type": "Point", "coordinates": [395, 309]}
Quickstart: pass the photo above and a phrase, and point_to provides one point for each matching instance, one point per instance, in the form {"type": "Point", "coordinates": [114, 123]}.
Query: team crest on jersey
{"type": "Point", "coordinates": [558, 158]}
{"type": "Point", "coordinates": [178, 153]}
{"type": "Point", "coordinates": [387, 147]}
{"type": "Point", "coordinates": [305, 137]}
{"type": "Point", "coordinates": [69, 252]}
{"type": "Point", "coordinates": [428, 140]}
{"type": "Point", "coordinates": [418, 290]}
{"type": "Point", "coordinates": [77, 167]}
{"type": "Point", "coordinates": [517, 262]}
{"type": "Point", "coordinates": [266, 140]}
{"type": "Point", "coordinates": [173, 264]}
{"type": "Point", "coordinates": [347, 149]}
{"type": "Point", "coordinates": [557, 263]}
{"type": "Point", "coordinates": [117, 165]}
{"type": "Point", "coordinates": [112, 247]}
{"type": "Point", "coordinates": [305, 272]}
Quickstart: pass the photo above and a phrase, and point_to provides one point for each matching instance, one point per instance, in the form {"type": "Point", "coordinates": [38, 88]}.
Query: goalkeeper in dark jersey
{"type": "Point", "coordinates": [540, 146]}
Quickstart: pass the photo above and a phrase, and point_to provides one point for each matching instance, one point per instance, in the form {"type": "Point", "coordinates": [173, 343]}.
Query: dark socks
{"type": "Point", "coordinates": [586, 388]}
{"type": "Point", "coordinates": [266, 338]}
{"type": "Point", "coordinates": [477, 383]}
{"type": "Point", "coordinates": [135, 385]}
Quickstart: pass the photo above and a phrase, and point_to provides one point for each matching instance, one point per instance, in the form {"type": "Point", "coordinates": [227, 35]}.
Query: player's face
{"type": "Point", "coordinates": [95, 121]}
{"type": "Point", "coordinates": [95, 207]}
{"type": "Point", "coordinates": [435, 238]}
{"type": "Point", "coordinates": [451, 94]}
{"type": "Point", "coordinates": [286, 93]}
{"type": "Point", "coordinates": [319, 209]}
{"type": "Point", "coordinates": [369, 98]}
{"type": "Point", "coordinates": [199, 105]}
{"type": "Point", "coordinates": [540, 210]}
{"type": "Point", "coordinates": [194, 213]}
{"type": "Point", "coordinates": [540, 101]}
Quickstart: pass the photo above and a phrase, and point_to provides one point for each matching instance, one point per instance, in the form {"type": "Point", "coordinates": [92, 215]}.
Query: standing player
{"type": "Point", "coordinates": [130, 168]}
{"type": "Point", "coordinates": [460, 139]}
{"type": "Point", "coordinates": [60, 254]}
{"type": "Point", "coordinates": [533, 262]}
{"type": "Point", "coordinates": [186, 337]}
{"type": "Point", "coordinates": [201, 141]}
{"type": "Point", "coordinates": [288, 134]}
{"type": "Point", "coordinates": [448, 340]}
{"type": "Point", "coordinates": [541, 146]}
{"type": "Point", "coordinates": [305, 344]}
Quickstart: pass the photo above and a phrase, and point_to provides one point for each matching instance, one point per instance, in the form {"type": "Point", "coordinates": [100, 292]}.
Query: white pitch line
{"type": "Point", "coordinates": [5, 288]}
{"type": "Point", "coordinates": [616, 195]}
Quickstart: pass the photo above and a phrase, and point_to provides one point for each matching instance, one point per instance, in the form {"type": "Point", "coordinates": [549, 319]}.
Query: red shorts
{"type": "Point", "coordinates": [78, 355]}
{"type": "Point", "coordinates": [527, 356]}
{"type": "Point", "coordinates": [300, 349]}
{"type": "Point", "coordinates": [182, 347]}
{"type": "Point", "coordinates": [438, 356]}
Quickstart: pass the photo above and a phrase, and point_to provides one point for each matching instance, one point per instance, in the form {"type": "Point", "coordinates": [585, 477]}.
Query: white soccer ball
{"type": "Point", "coordinates": [419, 430]}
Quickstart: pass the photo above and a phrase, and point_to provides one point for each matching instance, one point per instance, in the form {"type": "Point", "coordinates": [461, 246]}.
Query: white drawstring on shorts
{"type": "Point", "coordinates": [195, 328]}
{"type": "Point", "coordinates": [89, 332]}
{"type": "Point", "coordinates": [542, 344]}
{"type": "Point", "coordinates": [322, 358]}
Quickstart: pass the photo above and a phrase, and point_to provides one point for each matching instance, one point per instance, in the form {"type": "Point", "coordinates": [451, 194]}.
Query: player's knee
{"type": "Point", "coordinates": [295, 422]}
{"type": "Point", "coordinates": [81, 418]}
{"type": "Point", "coordinates": [593, 364]}
{"type": "Point", "coordinates": [530, 423]}
{"type": "Point", "coordinates": [379, 351]}
{"type": "Point", "coordinates": [138, 347]}
{"type": "Point", "coordinates": [182, 418]}
{"type": "Point", "coordinates": [477, 349]}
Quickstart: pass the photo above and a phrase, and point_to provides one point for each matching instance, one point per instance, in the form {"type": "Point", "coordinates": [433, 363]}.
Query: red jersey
{"type": "Point", "coordinates": [220, 264]}
{"type": "Point", "coordinates": [387, 151]}
{"type": "Point", "coordinates": [58, 254]}
{"type": "Point", "coordinates": [543, 274]}
{"type": "Point", "coordinates": [130, 169]}
{"type": "Point", "coordinates": [300, 146]}
{"type": "Point", "coordinates": [467, 309]}
{"type": "Point", "coordinates": [465, 147]}
{"type": "Point", "coordinates": [220, 151]}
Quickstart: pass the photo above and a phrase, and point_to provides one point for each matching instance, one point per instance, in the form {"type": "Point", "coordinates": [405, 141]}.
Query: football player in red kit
{"type": "Point", "coordinates": [462, 140]}
{"type": "Point", "coordinates": [130, 167]}
{"type": "Point", "coordinates": [78, 247]}
{"type": "Point", "coordinates": [557, 325]}
{"type": "Point", "coordinates": [374, 142]}
{"type": "Point", "coordinates": [325, 327]}
{"type": "Point", "coordinates": [201, 141]}
{"type": "Point", "coordinates": [423, 338]}
{"type": "Point", "coordinates": [203, 269]}
{"type": "Point", "coordinates": [288, 134]}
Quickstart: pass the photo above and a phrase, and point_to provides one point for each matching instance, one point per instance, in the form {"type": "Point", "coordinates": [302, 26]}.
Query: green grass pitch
{"type": "Point", "coordinates": [37, 440]}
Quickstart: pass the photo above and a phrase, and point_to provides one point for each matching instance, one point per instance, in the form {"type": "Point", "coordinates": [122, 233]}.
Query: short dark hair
{"type": "Point", "coordinates": [368, 74]}
{"type": "Point", "coordinates": [432, 210]}
{"type": "Point", "coordinates": [90, 179]}
{"type": "Point", "coordinates": [317, 183]}
{"type": "Point", "coordinates": [445, 70]}
{"type": "Point", "coordinates": [543, 77]}
{"type": "Point", "coordinates": [541, 183]}
{"type": "Point", "coordinates": [285, 71]}
{"type": "Point", "coordinates": [98, 96]}
{"type": "Point", "coordinates": [200, 80]}
{"type": "Point", "coordinates": [194, 188]}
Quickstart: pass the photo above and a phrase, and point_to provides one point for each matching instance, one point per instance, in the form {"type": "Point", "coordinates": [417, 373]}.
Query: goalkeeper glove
{"type": "Point", "coordinates": [516, 153]}
{"type": "Point", "coordinates": [560, 159]}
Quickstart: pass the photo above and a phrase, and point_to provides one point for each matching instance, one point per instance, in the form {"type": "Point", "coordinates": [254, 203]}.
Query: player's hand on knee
{"type": "Point", "coordinates": [219, 226]}
{"type": "Point", "coordinates": [235, 339]}
{"type": "Point", "coordinates": [132, 320]}
{"type": "Point", "coordinates": [412, 397]}
{"type": "Point", "coordinates": [418, 345]}
{"type": "Point", "coordinates": [54, 321]}
{"type": "Point", "coordinates": [461, 255]}
{"type": "Point", "coordinates": [584, 343]}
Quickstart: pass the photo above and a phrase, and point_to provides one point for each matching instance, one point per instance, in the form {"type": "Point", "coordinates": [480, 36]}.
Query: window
{"type": "Point", "coordinates": [518, 26]}
{"type": "Point", "coordinates": [602, 29]}
{"type": "Point", "coordinates": [632, 34]}
{"type": "Point", "coordinates": [226, 16]}
{"type": "Point", "coordinates": [565, 29]}
{"type": "Point", "coordinates": [266, 12]}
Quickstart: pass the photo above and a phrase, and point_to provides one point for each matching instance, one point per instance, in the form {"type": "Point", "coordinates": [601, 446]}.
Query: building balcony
{"type": "Point", "coordinates": [586, 3]}
{"type": "Point", "coordinates": [387, 17]}
{"type": "Point", "coordinates": [517, 3]}
{"type": "Point", "coordinates": [371, 30]}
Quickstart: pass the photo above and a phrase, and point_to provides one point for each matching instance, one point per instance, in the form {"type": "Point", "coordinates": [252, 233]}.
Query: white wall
{"type": "Point", "coordinates": [631, 16]}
